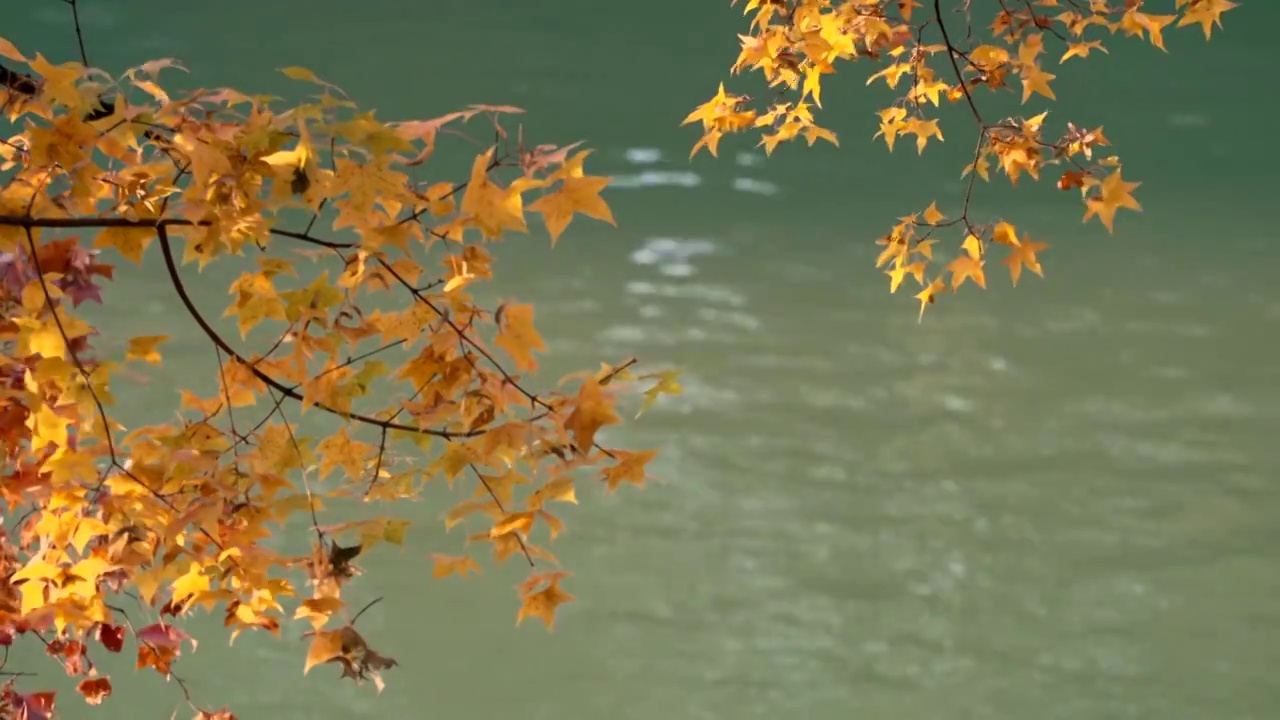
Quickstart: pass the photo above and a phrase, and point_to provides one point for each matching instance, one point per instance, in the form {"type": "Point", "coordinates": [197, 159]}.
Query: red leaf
{"type": "Point", "coordinates": [94, 690]}
{"type": "Point", "coordinates": [164, 635]}
{"type": "Point", "coordinates": [28, 706]}
{"type": "Point", "coordinates": [111, 637]}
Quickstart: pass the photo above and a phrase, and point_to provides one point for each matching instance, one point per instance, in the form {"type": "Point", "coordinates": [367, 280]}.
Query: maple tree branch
{"type": "Point", "coordinates": [306, 482]}
{"type": "Point", "coordinates": [382, 440]}
{"type": "Point", "coordinates": [4, 662]}
{"type": "Point", "coordinates": [377, 465]}
{"type": "Point", "coordinates": [951, 55]}
{"type": "Point", "coordinates": [114, 461]}
{"type": "Point", "coordinates": [75, 357]}
{"type": "Point", "coordinates": [523, 548]}
{"type": "Point", "coordinates": [461, 333]}
{"type": "Point", "coordinates": [123, 222]}
{"type": "Point", "coordinates": [223, 482]}
{"type": "Point", "coordinates": [225, 402]}
{"type": "Point", "coordinates": [493, 163]}
{"type": "Point", "coordinates": [333, 167]}
{"type": "Point", "coordinates": [305, 237]}
{"type": "Point", "coordinates": [75, 17]}
{"type": "Point", "coordinates": [1041, 22]}
{"type": "Point", "coordinates": [347, 363]}
{"type": "Point", "coordinates": [214, 337]}
{"type": "Point", "coordinates": [467, 340]}
{"type": "Point", "coordinates": [55, 652]}
{"type": "Point", "coordinates": [276, 402]}
{"type": "Point", "coordinates": [371, 603]}
{"type": "Point", "coordinates": [973, 179]}
{"type": "Point", "coordinates": [231, 415]}
{"type": "Point", "coordinates": [96, 222]}
{"type": "Point", "coordinates": [169, 674]}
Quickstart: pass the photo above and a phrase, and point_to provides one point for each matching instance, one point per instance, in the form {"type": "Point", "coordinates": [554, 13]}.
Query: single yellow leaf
{"type": "Point", "coordinates": [518, 337]}
{"type": "Point", "coordinates": [592, 410]}
{"type": "Point", "coordinates": [300, 73]}
{"type": "Point", "coordinates": [560, 489]}
{"type": "Point", "coordinates": [191, 583]}
{"type": "Point", "coordinates": [446, 565]}
{"type": "Point", "coordinates": [8, 50]}
{"type": "Point", "coordinates": [326, 645]}
{"type": "Point", "coordinates": [131, 242]}
{"type": "Point", "coordinates": [931, 214]}
{"type": "Point", "coordinates": [515, 522]}
{"type": "Point", "coordinates": [629, 468]}
{"type": "Point", "coordinates": [542, 604]}
{"type": "Point", "coordinates": [576, 195]}
{"type": "Point", "coordinates": [1114, 194]}
{"type": "Point", "coordinates": [144, 348]}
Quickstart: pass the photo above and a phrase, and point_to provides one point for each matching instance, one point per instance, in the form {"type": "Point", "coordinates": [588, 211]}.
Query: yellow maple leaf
{"type": "Point", "coordinates": [460, 512]}
{"type": "Point", "coordinates": [1081, 50]}
{"type": "Point", "coordinates": [1036, 80]}
{"type": "Point", "coordinates": [668, 384]}
{"type": "Point", "coordinates": [592, 410]}
{"type": "Point", "coordinates": [454, 460]}
{"type": "Point", "coordinates": [48, 427]}
{"type": "Point", "coordinates": [9, 50]}
{"type": "Point", "coordinates": [707, 112]}
{"type": "Point", "coordinates": [317, 611]}
{"type": "Point", "coordinates": [144, 348]}
{"type": "Point", "coordinates": [501, 487]}
{"type": "Point", "coordinates": [256, 300]}
{"type": "Point", "coordinates": [192, 582]}
{"type": "Point", "coordinates": [931, 214]}
{"type": "Point", "coordinates": [1114, 194]}
{"type": "Point", "coordinates": [518, 337]}
{"type": "Point", "coordinates": [49, 337]}
{"type": "Point", "coordinates": [629, 467]}
{"type": "Point", "coordinates": [929, 295]}
{"type": "Point", "coordinates": [1207, 13]}
{"type": "Point", "coordinates": [493, 208]}
{"type": "Point", "coordinates": [59, 81]}
{"type": "Point", "coordinates": [81, 580]}
{"type": "Point", "coordinates": [131, 242]}
{"type": "Point", "coordinates": [542, 604]}
{"type": "Point", "coordinates": [964, 268]}
{"type": "Point", "coordinates": [460, 565]}
{"type": "Point", "coordinates": [1024, 255]}
{"type": "Point", "coordinates": [575, 195]}
{"type": "Point", "coordinates": [325, 645]}
{"type": "Point", "coordinates": [34, 595]}
{"type": "Point", "coordinates": [923, 130]}
{"type": "Point", "coordinates": [561, 489]}
{"type": "Point", "coordinates": [340, 450]}
{"type": "Point", "coordinates": [901, 269]}
{"type": "Point", "coordinates": [515, 522]}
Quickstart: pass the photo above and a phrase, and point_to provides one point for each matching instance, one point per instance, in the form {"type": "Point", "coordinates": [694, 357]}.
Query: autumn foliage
{"type": "Point", "coordinates": [943, 52]}
{"type": "Point", "coordinates": [357, 262]}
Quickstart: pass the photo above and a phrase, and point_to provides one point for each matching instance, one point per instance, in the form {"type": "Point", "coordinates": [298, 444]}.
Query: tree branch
{"type": "Point", "coordinates": [176, 279]}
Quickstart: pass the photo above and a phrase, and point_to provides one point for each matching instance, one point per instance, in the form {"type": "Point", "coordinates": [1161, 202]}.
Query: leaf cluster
{"type": "Point", "coordinates": [936, 56]}
{"type": "Point", "coordinates": [358, 261]}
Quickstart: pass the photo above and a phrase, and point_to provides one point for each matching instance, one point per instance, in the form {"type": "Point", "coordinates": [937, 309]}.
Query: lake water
{"type": "Point", "coordinates": [1055, 502]}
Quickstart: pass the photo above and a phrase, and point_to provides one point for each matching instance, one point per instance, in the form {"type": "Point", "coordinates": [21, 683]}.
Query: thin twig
{"type": "Point", "coordinates": [75, 16]}
{"type": "Point", "coordinates": [373, 602]}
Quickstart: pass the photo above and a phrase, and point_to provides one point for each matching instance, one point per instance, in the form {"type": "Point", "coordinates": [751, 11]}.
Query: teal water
{"type": "Point", "coordinates": [1057, 502]}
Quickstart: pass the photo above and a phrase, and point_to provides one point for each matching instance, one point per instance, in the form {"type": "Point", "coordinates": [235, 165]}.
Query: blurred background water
{"type": "Point", "coordinates": [1053, 502]}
